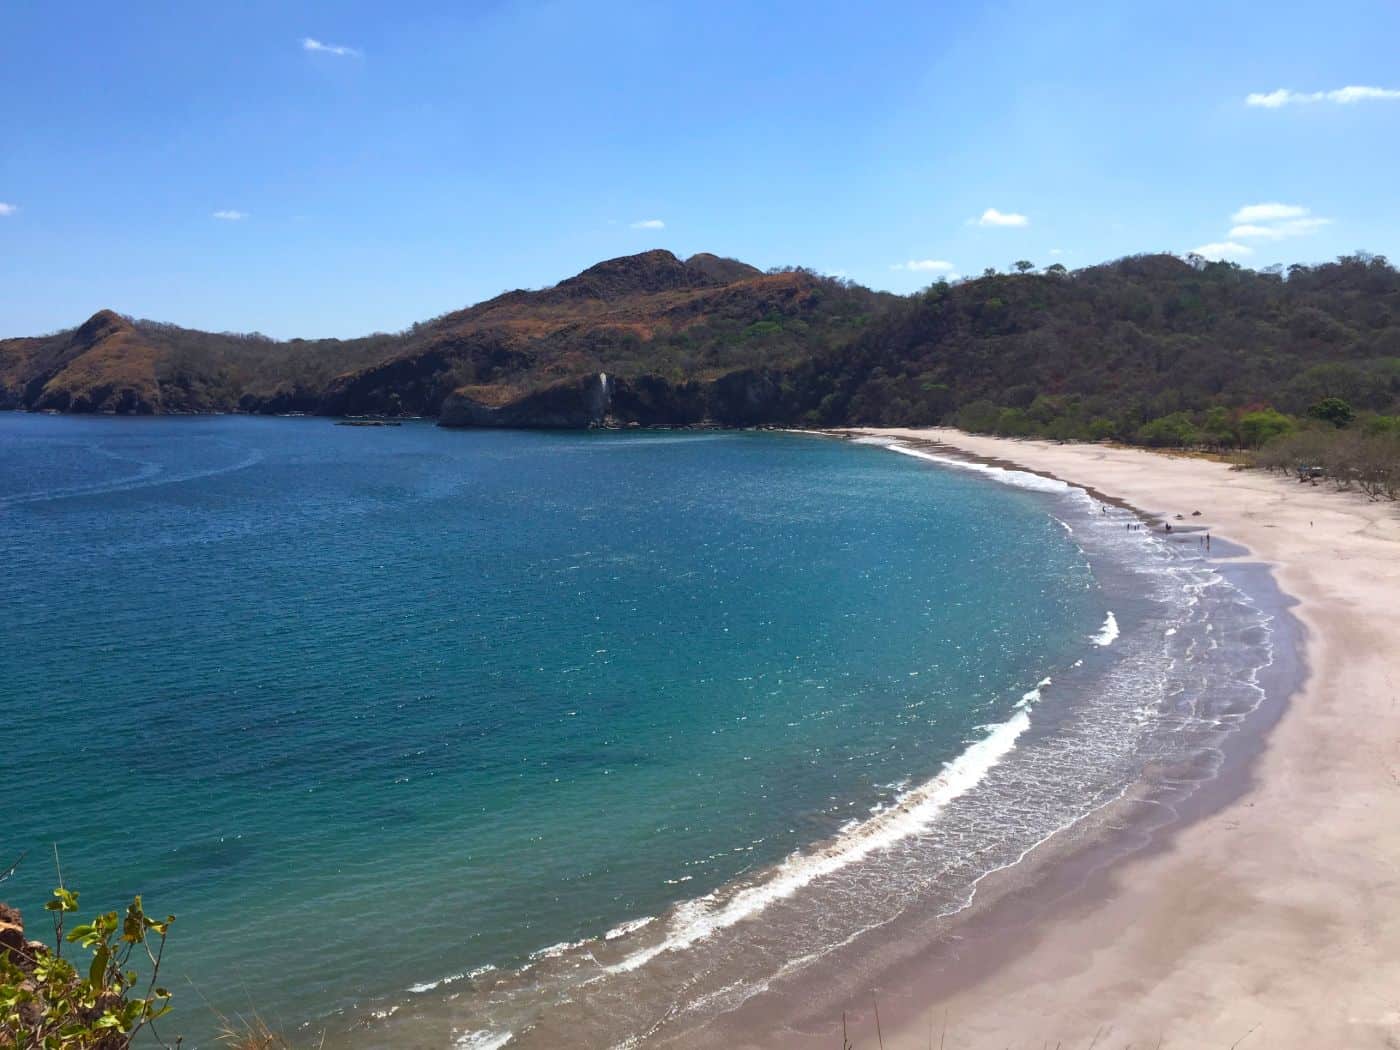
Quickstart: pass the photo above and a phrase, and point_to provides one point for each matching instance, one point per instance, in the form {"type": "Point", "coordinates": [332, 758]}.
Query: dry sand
{"type": "Point", "coordinates": [1274, 922]}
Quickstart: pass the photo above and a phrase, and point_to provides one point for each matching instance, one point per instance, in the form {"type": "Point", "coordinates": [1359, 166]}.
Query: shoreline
{"type": "Point", "coordinates": [1258, 911]}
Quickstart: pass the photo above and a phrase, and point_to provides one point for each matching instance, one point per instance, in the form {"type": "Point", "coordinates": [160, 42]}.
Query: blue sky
{"type": "Point", "coordinates": [205, 164]}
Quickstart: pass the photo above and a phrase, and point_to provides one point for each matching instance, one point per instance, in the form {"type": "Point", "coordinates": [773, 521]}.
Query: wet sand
{"type": "Point", "coordinates": [1262, 910]}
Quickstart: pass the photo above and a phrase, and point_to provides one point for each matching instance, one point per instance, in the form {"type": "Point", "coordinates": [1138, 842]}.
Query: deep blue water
{"type": "Point", "coordinates": [370, 707]}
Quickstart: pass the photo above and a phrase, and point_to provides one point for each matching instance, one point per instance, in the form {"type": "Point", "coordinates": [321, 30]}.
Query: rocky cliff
{"type": "Point", "coordinates": [740, 398]}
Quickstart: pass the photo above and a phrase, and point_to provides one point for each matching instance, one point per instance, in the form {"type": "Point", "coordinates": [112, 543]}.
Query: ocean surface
{"type": "Point", "coordinates": [450, 738]}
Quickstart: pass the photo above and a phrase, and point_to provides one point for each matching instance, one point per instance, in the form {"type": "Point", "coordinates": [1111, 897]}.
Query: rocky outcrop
{"type": "Point", "coordinates": [574, 404]}
{"type": "Point", "coordinates": [744, 398]}
{"type": "Point", "coordinates": [11, 932]}
{"type": "Point", "coordinates": [651, 400]}
{"type": "Point", "coordinates": [418, 384]}
{"type": "Point", "coordinates": [22, 954]}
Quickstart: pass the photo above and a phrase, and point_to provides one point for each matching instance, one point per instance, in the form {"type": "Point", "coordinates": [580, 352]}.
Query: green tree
{"type": "Point", "coordinates": [978, 417]}
{"type": "Point", "coordinates": [1014, 422]}
{"type": "Point", "coordinates": [1173, 431]}
{"type": "Point", "coordinates": [1023, 265]}
{"type": "Point", "coordinates": [1333, 410]}
{"type": "Point", "coordinates": [1259, 427]}
{"type": "Point", "coordinates": [1219, 429]}
{"type": "Point", "coordinates": [1102, 429]}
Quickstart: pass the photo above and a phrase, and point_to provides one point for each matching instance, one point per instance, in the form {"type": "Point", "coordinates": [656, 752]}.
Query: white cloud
{"type": "Point", "coordinates": [1279, 230]}
{"type": "Point", "coordinates": [925, 266]}
{"type": "Point", "coordinates": [1223, 250]}
{"type": "Point", "coordinates": [8, 209]}
{"type": "Point", "coordinates": [992, 217]}
{"type": "Point", "coordinates": [1268, 212]}
{"type": "Point", "coordinates": [1343, 96]}
{"type": "Point", "coordinates": [309, 43]}
{"type": "Point", "coordinates": [649, 224]}
{"type": "Point", "coordinates": [230, 215]}
{"type": "Point", "coordinates": [1057, 251]}
{"type": "Point", "coordinates": [1252, 231]}
{"type": "Point", "coordinates": [1274, 222]}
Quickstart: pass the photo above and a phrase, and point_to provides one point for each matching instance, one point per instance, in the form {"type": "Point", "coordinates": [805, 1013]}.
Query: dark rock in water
{"type": "Point", "coordinates": [368, 423]}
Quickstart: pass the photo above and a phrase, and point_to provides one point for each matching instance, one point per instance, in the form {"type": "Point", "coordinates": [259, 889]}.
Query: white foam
{"type": "Point", "coordinates": [556, 950]}
{"type": "Point", "coordinates": [1108, 633]}
{"type": "Point", "coordinates": [483, 1039]}
{"type": "Point", "coordinates": [697, 919]}
{"type": "Point", "coordinates": [1021, 479]}
{"type": "Point", "coordinates": [623, 929]}
{"type": "Point", "coordinates": [428, 986]}
{"type": "Point", "coordinates": [1033, 696]}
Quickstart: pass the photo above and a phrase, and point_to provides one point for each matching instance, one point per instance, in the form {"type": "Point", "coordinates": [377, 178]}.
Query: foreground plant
{"type": "Point", "coordinates": [98, 1001]}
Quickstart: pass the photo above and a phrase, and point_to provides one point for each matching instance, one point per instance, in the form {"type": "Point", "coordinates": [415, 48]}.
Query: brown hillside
{"type": "Point", "coordinates": [650, 313]}
{"type": "Point", "coordinates": [105, 365]}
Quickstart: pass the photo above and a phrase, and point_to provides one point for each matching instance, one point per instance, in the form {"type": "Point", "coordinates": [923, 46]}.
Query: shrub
{"type": "Point", "coordinates": [48, 1001]}
{"type": "Point", "coordinates": [1333, 410]}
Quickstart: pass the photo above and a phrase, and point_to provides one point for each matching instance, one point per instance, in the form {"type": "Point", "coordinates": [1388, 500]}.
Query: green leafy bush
{"type": "Point", "coordinates": [100, 1000]}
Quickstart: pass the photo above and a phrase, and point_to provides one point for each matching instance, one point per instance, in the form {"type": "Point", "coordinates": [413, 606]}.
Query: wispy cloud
{"type": "Point", "coordinates": [925, 266]}
{"type": "Point", "coordinates": [1274, 222]}
{"type": "Point", "coordinates": [1057, 251]}
{"type": "Point", "coordinates": [1279, 230]}
{"type": "Point", "coordinates": [230, 215]}
{"type": "Point", "coordinates": [1268, 212]}
{"type": "Point", "coordinates": [8, 209]}
{"type": "Point", "coordinates": [310, 43]}
{"type": "Point", "coordinates": [992, 217]}
{"type": "Point", "coordinates": [649, 224]}
{"type": "Point", "coordinates": [1223, 250]}
{"type": "Point", "coordinates": [1342, 96]}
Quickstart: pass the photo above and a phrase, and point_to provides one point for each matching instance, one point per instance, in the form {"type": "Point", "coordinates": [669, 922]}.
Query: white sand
{"type": "Point", "coordinates": [1275, 923]}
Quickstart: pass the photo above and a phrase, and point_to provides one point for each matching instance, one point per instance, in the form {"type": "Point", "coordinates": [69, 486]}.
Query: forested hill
{"type": "Point", "coordinates": [1129, 341]}
{"type": "Point", "coordinates": [650, 314]}
{"type": "Point", "coordinates": [1094, 352]}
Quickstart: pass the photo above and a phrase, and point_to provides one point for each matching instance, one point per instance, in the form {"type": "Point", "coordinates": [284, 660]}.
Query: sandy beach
{"type": "Point", "coordinates": [1275, 921]}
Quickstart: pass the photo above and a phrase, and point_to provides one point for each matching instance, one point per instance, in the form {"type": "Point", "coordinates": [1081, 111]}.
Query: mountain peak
{"type": "Point", "coordinates": [721, 269]}
{"type": "Point", "coordinates": [99, 326]}
{"type": "Point", "coordinates": [646, 272]}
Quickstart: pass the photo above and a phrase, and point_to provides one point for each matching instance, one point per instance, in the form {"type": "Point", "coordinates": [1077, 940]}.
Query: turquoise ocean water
{"type": "Point", "coordinates": [418, 727]}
